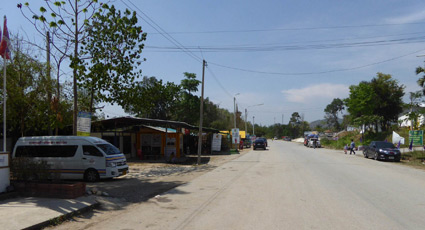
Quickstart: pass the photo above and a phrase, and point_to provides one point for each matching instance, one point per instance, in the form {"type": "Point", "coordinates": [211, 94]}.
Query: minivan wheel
{"type": "Point", "coordinates": [375, 156]}
{"type": "Point", "coordinates": [91, 175]}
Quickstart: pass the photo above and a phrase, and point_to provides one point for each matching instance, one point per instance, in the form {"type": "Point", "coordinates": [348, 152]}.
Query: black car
{"type": "Point", "coordinates": [264, 139]}
{"type": "Point", "coordinates": [259, 143]}
{"type": "Point", "coordinates": [382, 150]}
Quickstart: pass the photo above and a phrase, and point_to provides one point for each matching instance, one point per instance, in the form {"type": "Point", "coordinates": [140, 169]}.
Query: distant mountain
{"type": "Point", "coordinates": [322, 123]}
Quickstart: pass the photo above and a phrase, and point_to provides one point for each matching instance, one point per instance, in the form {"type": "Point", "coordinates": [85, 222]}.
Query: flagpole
{"type": "Point", "coordinates": [4, 103]}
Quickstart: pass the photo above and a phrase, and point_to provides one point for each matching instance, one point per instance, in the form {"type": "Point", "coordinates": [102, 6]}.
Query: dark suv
{"type": "Point", "coordinates": [259, 143]}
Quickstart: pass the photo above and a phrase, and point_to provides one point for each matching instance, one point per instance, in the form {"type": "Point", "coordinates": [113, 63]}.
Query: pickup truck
{"type": "Point", "coordinates": [382, 150]}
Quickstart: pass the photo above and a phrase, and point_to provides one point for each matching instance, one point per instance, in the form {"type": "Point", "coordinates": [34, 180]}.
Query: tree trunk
{"type": "Point", "coordinates": [74, 125]}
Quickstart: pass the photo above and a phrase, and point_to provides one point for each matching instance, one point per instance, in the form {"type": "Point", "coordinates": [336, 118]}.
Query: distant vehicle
{"type": "Point", "coordinates": [305, 140]}
{"type": "Point", "coordinates": [382, 150]}
{"type": "Point", "coordinates": [287, 139]}
{"type": "Point", "coordinates": [259, 143]}
{"type": "Point", "coordinates": [275, 138]}
{"type": "Point", "coordinates": [247, 143]}
{"type": "Point", "coordinates": [264, 139]}
{"type": "Point", "coordinates": [314, 141]}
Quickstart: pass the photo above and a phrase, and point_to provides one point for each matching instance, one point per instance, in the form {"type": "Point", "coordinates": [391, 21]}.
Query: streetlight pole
{"type": "Point", "coordinates": [246, 115]}
{"type": "Point", "coordinates": [234, 109]}
{"type": "Point", "coordinates": [234, 117]}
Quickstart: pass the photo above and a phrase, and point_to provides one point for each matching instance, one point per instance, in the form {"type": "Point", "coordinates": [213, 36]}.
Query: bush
{"type": "Point", "coordinates": [27, 169]}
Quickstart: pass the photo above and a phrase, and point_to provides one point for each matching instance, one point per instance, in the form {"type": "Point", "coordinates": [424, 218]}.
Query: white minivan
{"type": "Point", "coordinates": [74, 157]}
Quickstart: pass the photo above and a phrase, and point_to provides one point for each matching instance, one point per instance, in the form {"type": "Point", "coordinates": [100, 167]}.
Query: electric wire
{"type": "Point", "coordinates": [218, 82]}
{"type": "Point", "coordinates": [296, 29]}
{"type": "Point", "coordinates": [318, 72]}
{"type": "Point", "coordinates": [273, 47]}
{"type": "Point", "coordinates": [161, 31]}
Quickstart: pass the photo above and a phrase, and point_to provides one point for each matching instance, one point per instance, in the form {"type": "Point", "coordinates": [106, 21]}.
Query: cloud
{"type": "Point", "coordinates": [408, 18]}
{"type": "Point", "coordinates": [314, 93]}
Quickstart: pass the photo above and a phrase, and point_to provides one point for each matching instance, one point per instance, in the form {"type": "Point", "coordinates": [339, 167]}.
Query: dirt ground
{"type": "Point", "coordinates": [144, 181]}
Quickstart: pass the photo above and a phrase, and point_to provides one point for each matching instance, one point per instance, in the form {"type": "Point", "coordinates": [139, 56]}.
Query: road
{"type": "Point", "coordinates": [287, 186]}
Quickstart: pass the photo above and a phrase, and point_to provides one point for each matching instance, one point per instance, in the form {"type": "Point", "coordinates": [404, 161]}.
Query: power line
{"type": "Point", "coordinates": [275, 47]}
{"type": "Point", "coordinates": [161, 31]}
{"type": "Point", "coordinates": [295, 29]}
{"type": "Point", "coordinates": [298, 42]}
{"type": "Point", "coordinates": [218, 82]}
{"type": "Point", "coordinates": [314, 73]}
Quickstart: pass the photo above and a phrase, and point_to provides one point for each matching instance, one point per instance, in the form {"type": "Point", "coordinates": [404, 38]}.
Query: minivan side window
{"type": "Point", "coordinates": [46, 151]}
{"type": "Point", "coordinates": [90, 150]}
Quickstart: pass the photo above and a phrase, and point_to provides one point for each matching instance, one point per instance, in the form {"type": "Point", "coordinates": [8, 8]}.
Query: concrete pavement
{"type": "Point", "coordinates": [35, 212]}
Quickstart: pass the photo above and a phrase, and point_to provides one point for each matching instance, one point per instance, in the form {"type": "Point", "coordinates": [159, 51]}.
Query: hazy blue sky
{"type": "Point", "coordinates": [293, 56]}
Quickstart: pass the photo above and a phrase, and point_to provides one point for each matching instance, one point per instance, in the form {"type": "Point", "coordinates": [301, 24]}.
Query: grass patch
{"type": "Point", "coordinates": [414, 158]}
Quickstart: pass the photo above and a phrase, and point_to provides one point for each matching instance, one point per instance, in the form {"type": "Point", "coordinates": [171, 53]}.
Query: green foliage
{"type": "Point", "coordinates": [360, 140]}
{"type": "Point", "coordinates": [64, 23]}
{"type": "Point", "coordinates": [29, 108]}
{"type": "Point", "coordinates": [153, 99]}
{"type": "Point", "coordinates": [414, 158]}
{"type": "Point", "coordinates": [114, 45]}
{"type": "Point", "coordinates": [421, 80]}
{"type": "Point", "coordinates": [376, 102]}
{"type": "Point", "coordinates": [26, 169]}
{"type": "Point", "coordinates": [190, 83]}
{"type": "Point", "coordinates": [332, 110]}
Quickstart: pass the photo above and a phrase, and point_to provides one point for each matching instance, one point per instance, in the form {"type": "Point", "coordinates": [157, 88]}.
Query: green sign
{"type": "Point", "coordinates": [417, 136]}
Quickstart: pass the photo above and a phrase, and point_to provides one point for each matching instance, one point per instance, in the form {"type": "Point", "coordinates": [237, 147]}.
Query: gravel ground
{"type": "Point", "coordinates": [145, 180]}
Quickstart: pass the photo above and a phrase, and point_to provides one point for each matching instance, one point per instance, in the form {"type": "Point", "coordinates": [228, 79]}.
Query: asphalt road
{"type": "Point", "coordinates": [288, 186]}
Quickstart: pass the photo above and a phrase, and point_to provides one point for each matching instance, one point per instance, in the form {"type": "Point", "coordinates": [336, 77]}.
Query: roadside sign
{"type": "Point", "coordinates": [417, 137]}
{"type": "Point", "coordinates": [235, 136]}
{"type": "Point", "coordinates": [83, 124]}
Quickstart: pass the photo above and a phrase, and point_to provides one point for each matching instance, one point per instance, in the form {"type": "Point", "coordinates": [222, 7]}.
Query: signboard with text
{"type": "Point", "coordinates": [216, 142]}
{"type": "Point", "coordinates": [417, 137]}
{"type": "Point", "coordinates": [235, 136]}
{"type": "Point", "coordinates": [83, 124]}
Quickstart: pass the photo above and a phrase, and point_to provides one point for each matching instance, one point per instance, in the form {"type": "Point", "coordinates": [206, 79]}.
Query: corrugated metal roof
{"type": "Point", "coordinates": [128, 121]}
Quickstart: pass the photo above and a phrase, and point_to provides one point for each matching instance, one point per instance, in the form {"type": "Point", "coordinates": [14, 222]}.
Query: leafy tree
{"type": "Point", "coordinates": [295, 118]}
{"type": "Point", "coordinates": [295, 124]}
{"type": "Point", "coordinates": [389, 99]}
{"type": "Point", "coordinates": [28, 111]}
{"type": "Point", "coordinates": [421, 80]}
{"type": "Point", "coordinates": [378, 101]}
{"type": "Point", "coordinates": [113, 48]}
{"type": "Point", "coordinates": [153, 99]}
{"type": "Point", "coordinates": [332, 110]}
{"type": "Point", "coordinates": [188, 101]}
{"type": "Point", "coordinates": [190, 84]}
{"type": "Point", "coordinates": [65, 22]}
{"type": "Point", "coordinates": [224, 119]}
{"type": "Point", "coordinates": [415, 111]}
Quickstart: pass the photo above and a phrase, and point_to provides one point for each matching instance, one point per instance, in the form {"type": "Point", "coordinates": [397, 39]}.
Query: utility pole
{"type": "Point", "coordinates": [204, 64]}
{"type": "Point", "coordinates": [253, 126]}
{"type": "Point", "coordinates": [234, 108]}
{"type": "Point", "coordinates": [246, 121]}
{"type": "Point", "coordinates": [282, 119]}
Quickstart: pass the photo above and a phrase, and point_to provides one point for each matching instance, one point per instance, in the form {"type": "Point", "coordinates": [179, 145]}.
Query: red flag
{"type": "Point", "coordinates": [4, 44]}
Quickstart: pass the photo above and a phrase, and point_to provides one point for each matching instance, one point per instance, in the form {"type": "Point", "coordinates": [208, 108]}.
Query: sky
{"type": "Point", "coordinates": [289, 56]}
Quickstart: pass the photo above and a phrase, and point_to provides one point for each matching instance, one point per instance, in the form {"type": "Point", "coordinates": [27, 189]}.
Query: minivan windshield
{"type": "Point", "coordinates": [109, 149]}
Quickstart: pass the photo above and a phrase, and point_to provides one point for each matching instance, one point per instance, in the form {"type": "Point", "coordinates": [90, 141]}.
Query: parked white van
{"type": "Point", "coordinates": [74, 157]}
